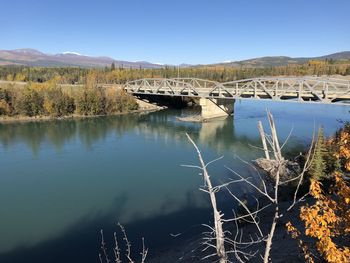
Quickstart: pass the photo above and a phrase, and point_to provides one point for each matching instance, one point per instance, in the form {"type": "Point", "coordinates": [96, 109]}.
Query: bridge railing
{"type": "Point", "coordinates": [277, 88]}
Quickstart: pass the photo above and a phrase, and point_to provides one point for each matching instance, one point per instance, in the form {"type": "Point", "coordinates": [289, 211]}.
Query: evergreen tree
{"type": "Point", "coordinates": [318, 164]}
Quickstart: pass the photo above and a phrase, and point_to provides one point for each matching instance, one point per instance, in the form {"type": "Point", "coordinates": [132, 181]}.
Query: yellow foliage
{"type": "Point", "coordinates": [38, 86]}
{"type": "Point", "coordinates": [4, 107]}
{"type": "Point", "coordinates": [327, 220]}
{"type": "Point", "coordinates": [295, 233]}
{"type": "Point", "coordinates": [56, 79]}
{"type": "Point", "coordinates": [9, 77]}
{"type": "Point", "coordinates": [91, 80]}
{"type": "Point", "coordinates": [317, 63]}
{"type": "Point", "coordinates": [342, 145]}
{"type": "Point", "coordinates": [20, 77]}
{"type": "Point", "coordinates": [344, 148]}
{"type": "Point", "coordinates": [48, 107]}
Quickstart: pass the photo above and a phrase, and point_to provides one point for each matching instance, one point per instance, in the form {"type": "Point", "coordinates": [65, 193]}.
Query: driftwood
{"type": "Point", "coordinates": [288, 169]}
{"type": "Point", "coordinates": [263, 140]}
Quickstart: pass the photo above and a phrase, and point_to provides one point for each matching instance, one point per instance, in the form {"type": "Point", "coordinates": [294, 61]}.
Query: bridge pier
{"type": "Point", "coordinates": [213, 108]}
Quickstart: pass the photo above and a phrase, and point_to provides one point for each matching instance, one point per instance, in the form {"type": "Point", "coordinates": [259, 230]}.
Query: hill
{"type": "Point", "coordinates": [281, 60]}
{"type": "Point", "coordinates": [32, 57]}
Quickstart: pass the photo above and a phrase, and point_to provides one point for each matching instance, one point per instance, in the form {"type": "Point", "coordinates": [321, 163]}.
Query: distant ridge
{"type": "Point", "coordinates": [32, 57]}
{"type": "Point", "coordinates": [282, 60]}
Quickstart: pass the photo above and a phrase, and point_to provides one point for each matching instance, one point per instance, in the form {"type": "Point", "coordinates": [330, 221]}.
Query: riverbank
{"type": "Point", "coordinates": [143, 107]}
{"type": "Point", "coordinates": [23, 119]}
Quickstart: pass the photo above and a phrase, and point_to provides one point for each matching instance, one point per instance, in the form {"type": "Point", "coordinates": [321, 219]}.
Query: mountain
{"type": "Point", "coordinates": [281, 60]}
{"type": "Point", "coordinates": [339, 55]}
{"type": "Point", "coordinates": [264, 62]}
{"type": "Point", "coordinates": [32, 57]}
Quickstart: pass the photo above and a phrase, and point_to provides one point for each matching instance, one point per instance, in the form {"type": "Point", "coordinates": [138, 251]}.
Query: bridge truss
{"type": "Point", "coordinates": [302, 89]}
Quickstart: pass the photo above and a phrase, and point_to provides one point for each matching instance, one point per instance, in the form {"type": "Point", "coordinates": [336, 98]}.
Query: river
{"type": "Point", "coordinates": [63, 181]}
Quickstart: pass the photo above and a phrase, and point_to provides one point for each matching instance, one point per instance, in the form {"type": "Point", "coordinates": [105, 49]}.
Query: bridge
{"type": "Point", "coordinates": [215, 96]}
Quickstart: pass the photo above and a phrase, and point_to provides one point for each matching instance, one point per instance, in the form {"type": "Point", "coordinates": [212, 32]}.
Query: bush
{"type": "Point", "coordinates": [91, 101]}
{"type": "Point", "coordinates": [30, 103]}
{"type": "Point", "coordinates": [125, 102]}
{"type": "Point", "coordinates": [337, 144]}
{"type": "Point", "coordinates": [5, 95]}
{"type": "Point", "coordinates": [327, 217]}
{"type": "Point", "coordinates": [119, 101]}
{"type": "Point", "coordinates": [58, 103]}
{"type": "Point", "coordinates": [6, 98]}
{"type": "Point", "coordinates": [4, 108]}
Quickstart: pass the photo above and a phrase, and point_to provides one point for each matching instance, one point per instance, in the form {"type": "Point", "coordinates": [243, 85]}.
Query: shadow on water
{"type": "Point", "coordinates": [81, 242]}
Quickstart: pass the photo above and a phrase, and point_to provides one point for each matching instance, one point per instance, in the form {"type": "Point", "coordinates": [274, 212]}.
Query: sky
{"type": "Point", "coordinates": [177, 31]}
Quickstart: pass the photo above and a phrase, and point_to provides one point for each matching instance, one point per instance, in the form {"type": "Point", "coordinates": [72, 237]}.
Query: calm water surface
{"type": "Point", "coordinates": [62, 181]}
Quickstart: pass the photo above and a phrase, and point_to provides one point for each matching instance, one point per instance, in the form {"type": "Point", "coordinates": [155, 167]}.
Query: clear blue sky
{"type": "Point", "coordinates": [177, 31]}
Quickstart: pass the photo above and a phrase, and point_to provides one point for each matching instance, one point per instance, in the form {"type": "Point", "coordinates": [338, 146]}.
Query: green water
{"type": "Point", "coordinates": [62, 181]}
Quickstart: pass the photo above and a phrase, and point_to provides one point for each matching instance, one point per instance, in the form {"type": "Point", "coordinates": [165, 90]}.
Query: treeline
{"type": "Point", "coordinates": [49, 99]}
{"type": "Point", "coordinates": [70, 75]}
{"type": "Point", "coordinates": [66, 75]}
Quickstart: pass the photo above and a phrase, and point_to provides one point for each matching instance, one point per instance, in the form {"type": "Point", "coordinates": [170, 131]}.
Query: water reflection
{"type": "Point", "coordinates": [57, 133]}
{"type": "Point", "coordinates": [217, 133]}
{"type": "Point", "coordinates": [62, 181]}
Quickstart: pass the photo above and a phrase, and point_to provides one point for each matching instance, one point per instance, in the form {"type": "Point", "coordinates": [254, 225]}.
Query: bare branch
{"type": "Point", "coordinates": [116, 249]}
{"type": "Point", "coordinates": [219, 234]}
{"type": "Point", "coordinates": [127, 243]}
{"type": "Point", "coordinates": [249, 213]}
{"type": "Point", "coordinates": [144, 251]}
{"type": "Point", "coordinates": [103, 248]}
{"type": "Point", "coordinates": [264, 193]}
{"type": "Point", "coordinates": [307, 164]}
{"type": "Point", "coordinates": [287, 139]}
{"type": "Point", "coordinates": [217, 159]}
{"type": "Point", "coordinates": [257, 172]}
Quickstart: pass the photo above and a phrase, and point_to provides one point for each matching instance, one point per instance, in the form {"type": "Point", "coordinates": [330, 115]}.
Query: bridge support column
{"type": "Point", "coordinates": [213, 108]}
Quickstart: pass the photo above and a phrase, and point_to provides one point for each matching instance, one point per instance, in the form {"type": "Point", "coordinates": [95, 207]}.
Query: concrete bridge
{"type": "Point", "coordinates": [217, 99]}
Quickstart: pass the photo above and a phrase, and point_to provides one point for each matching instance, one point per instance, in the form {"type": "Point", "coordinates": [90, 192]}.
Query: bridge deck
{"type": "Point", "coordinates": [300, 89]}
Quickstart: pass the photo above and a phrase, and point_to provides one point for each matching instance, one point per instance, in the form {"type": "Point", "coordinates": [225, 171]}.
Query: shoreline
{"type": "Point", "coordinates": [25, 119]}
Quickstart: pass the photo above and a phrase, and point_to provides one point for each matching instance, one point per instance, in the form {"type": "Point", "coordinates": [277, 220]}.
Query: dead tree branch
{"type": "Point", "coordinates": [104, 257]}
{"type": "Point", "coordinates": [219, 233]}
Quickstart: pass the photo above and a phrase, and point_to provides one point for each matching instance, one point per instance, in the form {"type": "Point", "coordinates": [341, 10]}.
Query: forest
{"type": "Point", "coordinates": [114, 75]}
